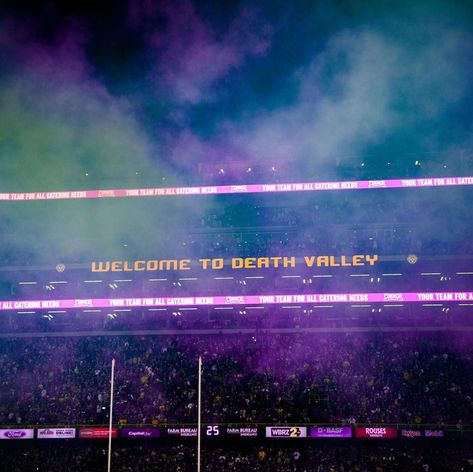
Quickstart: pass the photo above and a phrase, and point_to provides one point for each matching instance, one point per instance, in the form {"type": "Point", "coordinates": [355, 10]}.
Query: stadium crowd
{"type": "Point", "coordinates": [268, 457]}
{"type": "Point", "coordinates": [393, 377]}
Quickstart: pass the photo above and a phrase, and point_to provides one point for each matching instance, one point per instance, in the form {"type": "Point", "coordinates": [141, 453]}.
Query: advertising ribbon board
{"type": "Point", "coordinates": [286, 432]}
{"type": "Point", "coordinates": [181, 432]}
{"type": "Point", "coordinates": [376, 432]}
{"type": "Point", "coordinates": [56, 433]}
{"type": "Point", "coordinates": [330, 432]}
{"type": "Point", "coordinates": [139, 433]}
{"type": "Point", "coordinates": [96, 433]}
{"type": "Point", "coordinates": [16, 433]}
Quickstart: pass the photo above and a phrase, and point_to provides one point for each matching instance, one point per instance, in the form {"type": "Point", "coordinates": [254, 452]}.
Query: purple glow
{"type": "Point", "coordinates": [236, 189]}
{"type": "Point", "coordinates": [331, 432]}
{"type": "Point", "coordinates": [411, 297]}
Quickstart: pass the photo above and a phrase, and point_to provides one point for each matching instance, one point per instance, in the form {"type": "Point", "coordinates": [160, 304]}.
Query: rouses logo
{"type": "Point", "coordinates": [229, 300]}
{"type": "Point", "coordinates": [376, 183]}
{"type": "Point", "coordinates": [83, 303]}
{"type": "Point", "coordinates": [393, 297]}
{"type": "Point", "coordinates": [376, 432]}
{"type": "Point", "coordinates": [286, 432]}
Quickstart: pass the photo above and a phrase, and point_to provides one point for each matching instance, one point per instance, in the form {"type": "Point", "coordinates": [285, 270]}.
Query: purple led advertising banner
{"type": "Point", "coordinates": [236, 189]}
{"type": "Point", "coordinates": [330, 432]}
{"type": "Point", "coordinates": [16, 433]}
{"type": "Point", "coordinates": [139, 433]}
{"type": "Point", "coordinates": [410, 297]}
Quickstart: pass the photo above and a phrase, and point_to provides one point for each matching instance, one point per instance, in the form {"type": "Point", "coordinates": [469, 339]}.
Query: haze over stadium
{"type": "Point", "coordinates": [281, 191]}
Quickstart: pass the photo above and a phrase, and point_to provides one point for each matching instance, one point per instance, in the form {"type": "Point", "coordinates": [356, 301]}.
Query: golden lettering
{"type": "Point", "coordinates": [289, 261]}
{"type": "Point", "coordinates": [263, 262]}
{"type": "Point", "coordinates": [237, 263]}
{"type": "Point", "coordinates": [357, 260]}
{"type": "Point", "coordinates": [117, 266]}
{"type": "Point", "coordinates": [322, 261]}
{"type": "Point", "coordinates": [309, 260]}
{"type": "Point", "coordinates": [184, 264]}
{"type": "Point", "coordinates": [333, 263]}
{"type": "Point", "coordinates": [139, 266]}
{"type": "Point", "coordinates": [250, 263]}
{"type": "Point", "coordinates": [371, 260]}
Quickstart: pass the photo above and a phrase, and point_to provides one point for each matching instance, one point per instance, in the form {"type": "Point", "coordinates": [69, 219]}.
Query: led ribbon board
{"type": "Point", "coordinates": [237, 189]}
{"type": "Point", "coordinates": [228, 300]}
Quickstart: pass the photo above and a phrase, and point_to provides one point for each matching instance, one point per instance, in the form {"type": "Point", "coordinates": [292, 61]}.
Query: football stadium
{"type": "Point", "coordinates": [225, 251]}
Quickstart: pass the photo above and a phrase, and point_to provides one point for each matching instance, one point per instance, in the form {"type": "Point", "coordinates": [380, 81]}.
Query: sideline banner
{"type": "Point", "coordinates": [16, 433]}
{"type": "Point", "coordinates": [180, 432]}
{"type": "Point", "coordinates": [56, 433]}
{"type": "Point", "coordinates": [330, 432]}
{"type": "Point", "coordinates": [286, 432]}
{"type": "Point", "coordinates": [96, 433]}
{"type": "Point", "coordinates": [376, 432]}
{"type": "Point", "coordinates": [139, 433]}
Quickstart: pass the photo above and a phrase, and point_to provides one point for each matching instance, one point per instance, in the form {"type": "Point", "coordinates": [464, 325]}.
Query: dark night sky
{"type": "Point", "coordinates": [173, 84]}
{"type": "Point", "coordinates": [100, 94]}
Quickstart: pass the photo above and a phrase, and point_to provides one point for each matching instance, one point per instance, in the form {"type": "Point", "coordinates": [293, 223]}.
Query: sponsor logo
{"type": "Point", "coordinates": [238, 188]}
{"type": "Point", "coordinates": [140, 432]}
{"type": "Point", "coordinates": [412, 258]}
{"type": "Point", "coordinates": [83, 303]}
{"type": "Point", "coordinates": [376, 183]}
{"type": "Point", "coordinates": [57, 433]}
{"type": "Point", "coordinates": [182, 431]}
{"type": "Point", "coordinates": [393, 297]}
{"type": "Point", "coordinates": [331, 432]}
{"type": "Point", "coordinates": [229, 300]}
{"type": "Point", "coordinates": [106, 193]}
{"type": "Point", "coordinates": [97, 433]}
{"type": "Point", "coordinates": [411, 433]}
{"type": "Point", "coordinates": [434, 433]}
{"type": "Point", "coordinates": [286, 432]}
{"type": "Point", "coordinates": [15, 434]}
{"type": "Point", "coordinates": [253, 432]}
{"type": "Point", "coordinates": [376, 432]}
